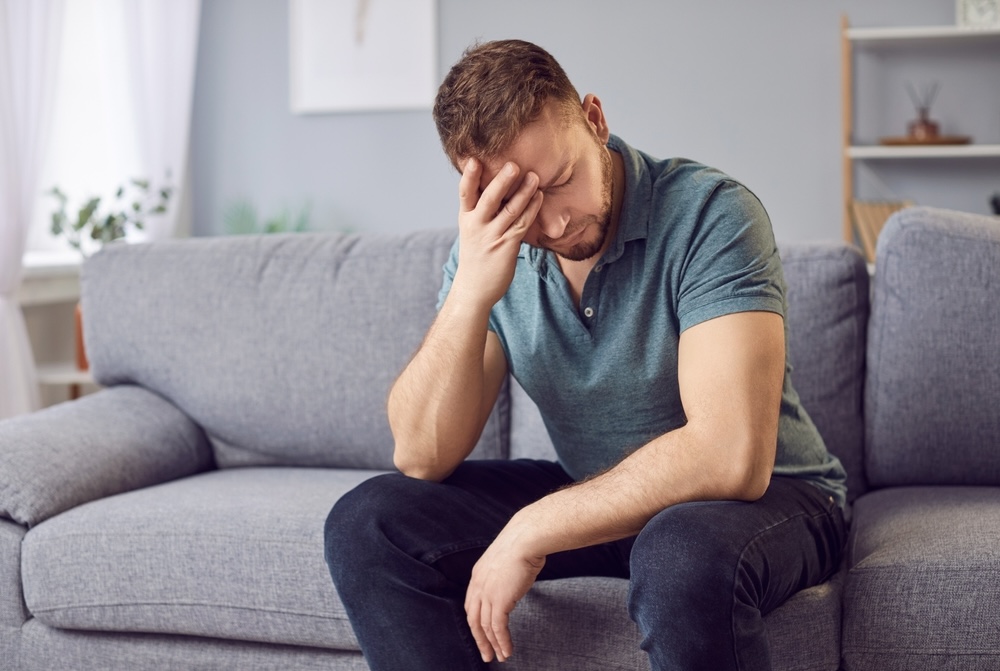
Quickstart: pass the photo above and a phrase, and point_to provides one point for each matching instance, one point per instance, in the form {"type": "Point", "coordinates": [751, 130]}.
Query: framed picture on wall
{"type": "Point", "coordinates": [362, 55]}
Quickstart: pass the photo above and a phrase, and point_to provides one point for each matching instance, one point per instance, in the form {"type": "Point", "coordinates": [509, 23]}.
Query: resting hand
{"type": "Point", "coordinates": [491, 227]}
{"type": "Point", "coordinates": [500, 578]}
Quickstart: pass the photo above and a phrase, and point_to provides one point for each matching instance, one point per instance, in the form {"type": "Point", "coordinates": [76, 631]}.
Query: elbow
{"type": "Point", "coordinates": [753, 486]}
{"type": "Point", "coordinates": [417, 468]}
{"type": "Point", "coordinates": [751, 476]}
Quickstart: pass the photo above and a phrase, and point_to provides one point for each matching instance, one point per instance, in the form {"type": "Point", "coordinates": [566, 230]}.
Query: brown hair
{"type": "Point", "coordinates": [493, 92]}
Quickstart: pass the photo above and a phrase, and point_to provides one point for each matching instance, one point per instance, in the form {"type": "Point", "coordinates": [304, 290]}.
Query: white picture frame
{"type": "Point", "coordinates": [977, 14]}
{"type": "Point", "coordinates": [362, 55]}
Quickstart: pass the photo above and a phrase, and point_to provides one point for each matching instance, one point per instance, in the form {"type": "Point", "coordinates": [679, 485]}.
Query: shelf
{"type": "Point", "coordinates": [63, 374]}
{"type": "Point", "coordinates": [885, 36]}
{"type": "Point", "coordinates": [986, 43]}
{"type": "Point", "coordinates": [928, 151]}
{"type": "Point", "coordinates": [50, 277]}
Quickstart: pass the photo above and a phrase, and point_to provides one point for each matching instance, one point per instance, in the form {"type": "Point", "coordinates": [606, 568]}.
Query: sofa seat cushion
{"type": "Point", "coordinates": [583, 624]}
{"type": "Point", "coordinates": [232, 554]}
{"type": "Point", "coordinates": [923, 588]}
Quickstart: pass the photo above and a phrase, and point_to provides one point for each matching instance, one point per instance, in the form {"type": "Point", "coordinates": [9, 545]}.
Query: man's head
{"type": "Point", "coordinates": [511, 101]}
{"type": "Point", "coordinates": [493, 92]}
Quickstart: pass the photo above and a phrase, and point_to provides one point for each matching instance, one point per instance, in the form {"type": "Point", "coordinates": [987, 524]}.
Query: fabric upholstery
{"type": "Point", "coordinates": [529, 439]}
{"type": "Point", "coordinates": [283, 347]}
{"type": "Point", "coordinates": [234, 554]}
{"type": "Point", "coordinates": [46, 649]}
{"type": "Point", "coordinates": [804, 632]}
{"type": "Point", "coordinates": [12, 610]}
{"type": "Point", "coordinates": [583, 624]}
{"type": "Point", "coordinates": [99, 567]}
{"type": "Point", "coordinates": [828, 288]}
{"type": "Point", "coordinates": [923, 589]}
{"type": "Point", "coordinates": [109, 442]}
{"type": "Point", "coordinates": [575, 623]}
{"type": "Point", "coordinates": [933, 359]}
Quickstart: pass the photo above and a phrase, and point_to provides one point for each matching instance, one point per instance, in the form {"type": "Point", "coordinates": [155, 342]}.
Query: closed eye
{"type": "Point", "coordinates": [559, 186]}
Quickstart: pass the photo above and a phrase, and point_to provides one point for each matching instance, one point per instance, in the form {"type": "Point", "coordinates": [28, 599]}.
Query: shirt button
{"type": "Point", "coordinates": [597, 269]}
{"type": "Point", "coordinates": [588, 312]}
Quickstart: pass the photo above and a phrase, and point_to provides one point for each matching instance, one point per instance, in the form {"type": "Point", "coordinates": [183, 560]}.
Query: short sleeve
{"type": "Point", "coordinates": [448, 272]}
{"type": "Point", "coordinates": [732, 262]}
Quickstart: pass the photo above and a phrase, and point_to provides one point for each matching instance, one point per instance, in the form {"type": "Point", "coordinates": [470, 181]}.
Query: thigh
{"type": "Point", "coordinates": [765, 551]}
{"type": "Point", "coordinates": [431, 520]}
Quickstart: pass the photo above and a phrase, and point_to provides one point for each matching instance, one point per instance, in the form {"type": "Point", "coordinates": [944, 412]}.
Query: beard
{"type": "Point", "coordinates": [601, 222]}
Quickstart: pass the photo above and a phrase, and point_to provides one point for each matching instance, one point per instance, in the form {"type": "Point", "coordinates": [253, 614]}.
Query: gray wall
{"type": "Point", "coordinates": [750, 87]}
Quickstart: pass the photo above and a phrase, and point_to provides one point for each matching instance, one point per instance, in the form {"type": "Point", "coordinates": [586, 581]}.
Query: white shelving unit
{"type": "Point", "coordinates": [929, 151]}
{"type": "Point", "coordinates": [886, 37]}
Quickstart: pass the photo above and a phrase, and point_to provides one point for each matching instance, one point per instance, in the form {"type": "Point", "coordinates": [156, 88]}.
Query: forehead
{"type": "Point", "coordinates": [544, 146]}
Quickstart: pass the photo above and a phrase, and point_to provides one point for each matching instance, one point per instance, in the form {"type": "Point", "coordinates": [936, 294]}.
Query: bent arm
{"type": "Point", "coordinates": [440, 403]}
{"type": "Point", "coordinates": [731, 372]}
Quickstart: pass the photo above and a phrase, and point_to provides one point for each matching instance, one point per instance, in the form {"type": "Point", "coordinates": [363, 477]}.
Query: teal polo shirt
{"type": "Point", "coordinates": [692, 244]}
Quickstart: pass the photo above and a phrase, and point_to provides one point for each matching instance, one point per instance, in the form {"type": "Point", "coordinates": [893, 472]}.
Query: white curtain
{"type": "Point", "coordinates": [162, 42]}
{"type": "Point", "coordinates": [29, 55]}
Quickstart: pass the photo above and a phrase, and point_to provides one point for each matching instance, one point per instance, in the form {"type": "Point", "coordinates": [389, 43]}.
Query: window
{"type": "Point", "coordinates": [93, 147]}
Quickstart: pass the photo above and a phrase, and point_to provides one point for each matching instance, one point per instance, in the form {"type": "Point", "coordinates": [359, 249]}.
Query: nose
{"type": "Point", "coordinates": [552, 223]}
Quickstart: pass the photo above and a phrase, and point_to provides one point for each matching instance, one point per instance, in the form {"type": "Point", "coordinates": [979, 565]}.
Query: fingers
{"type": "Point", "coordinates": [507, 211]}
{"type": "Point", "coordinates": [489, 629]}
{"type": "Point", "coordinates": [505, 201]}
{"type": "Point", "coordinates": [501, 635]}
{"type": "Point", "coordinates": [527, 218]}
{"type": "Point", "coordinates": [473, 613]}
{"type": "Point", "coordinates": [468, 186]}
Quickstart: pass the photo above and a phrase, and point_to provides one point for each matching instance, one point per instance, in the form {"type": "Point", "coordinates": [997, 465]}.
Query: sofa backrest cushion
{"type": "Point", "coordinates": [828, 291]}
{"type": "Point", "coordinates": [828, 304]}
{"type": "Point", "coordinates": [933, 389]}
{"type": "Point", "coordinates": [282, 347]}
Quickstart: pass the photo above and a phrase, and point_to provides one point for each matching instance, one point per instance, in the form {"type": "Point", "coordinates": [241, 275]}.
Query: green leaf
{"type": "Point", "coordinates": [302, 221]}
{"type": "Point", "coordinates": [159, 209]}
{"type": "Point", "coordinates": [58, 221]}
{"type": "Point", "coordinates": [141, 183]}
{"type": "Point", "coordinates": [56, 193]}
{"type": "Point", "coordinates": [240, 218]}
{"type": "Point", "coordinates": [121, 190]}
{"type": "Point", "coordinates": [86, 212]}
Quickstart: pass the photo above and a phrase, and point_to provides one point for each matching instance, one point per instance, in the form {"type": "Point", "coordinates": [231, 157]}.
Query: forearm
{"type": "Point", "coordinates": [677, 467]}
{"type": "Point", "coordinates": [438, 405]}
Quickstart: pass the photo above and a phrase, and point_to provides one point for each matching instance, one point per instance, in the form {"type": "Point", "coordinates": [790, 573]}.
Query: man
{"type": "Point", "coordinates": [640, 304]}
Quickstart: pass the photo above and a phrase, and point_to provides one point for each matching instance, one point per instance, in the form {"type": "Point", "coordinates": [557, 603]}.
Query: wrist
{"type": "Point", "coordinates": [525, 534]}
{"type": "Point", "coordinates": [468, 300]}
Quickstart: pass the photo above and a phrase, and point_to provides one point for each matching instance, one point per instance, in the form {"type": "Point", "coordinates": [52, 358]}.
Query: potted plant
{"type": "Point", "coordinates": [91, 226]}
{"type": "Point", "coordinates": [133, 203]}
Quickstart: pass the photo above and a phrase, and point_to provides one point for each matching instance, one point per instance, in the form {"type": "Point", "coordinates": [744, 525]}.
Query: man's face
{"type": "Point", "coordinates": [575, 175]}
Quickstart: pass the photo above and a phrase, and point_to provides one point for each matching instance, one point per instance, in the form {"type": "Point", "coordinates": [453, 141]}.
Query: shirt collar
{"type": "Point", "coordinates": [633, 220]}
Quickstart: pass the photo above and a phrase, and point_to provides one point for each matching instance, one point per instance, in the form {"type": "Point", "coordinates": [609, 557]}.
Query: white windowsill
{"type": "Point", "coordinates": [50, 277]}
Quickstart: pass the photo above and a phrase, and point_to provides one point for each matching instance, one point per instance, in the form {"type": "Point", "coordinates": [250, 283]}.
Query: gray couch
{"type": "Point", "coordinates": [174, 520]}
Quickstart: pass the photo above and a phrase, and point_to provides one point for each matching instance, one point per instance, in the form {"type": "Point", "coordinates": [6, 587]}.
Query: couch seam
{"type": "Point", "coordinates": [143, 604]}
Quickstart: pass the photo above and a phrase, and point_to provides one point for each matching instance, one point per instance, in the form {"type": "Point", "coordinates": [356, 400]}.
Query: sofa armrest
{"type": "Point", "coordinates": [114, 441]}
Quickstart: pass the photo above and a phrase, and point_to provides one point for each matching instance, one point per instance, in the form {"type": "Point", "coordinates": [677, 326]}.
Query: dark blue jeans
{"type": "Point", "coordinates": [702, 575]}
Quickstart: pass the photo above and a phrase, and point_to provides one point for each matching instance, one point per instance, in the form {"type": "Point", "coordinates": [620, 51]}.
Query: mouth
{"type": "Point", "coordinates": [571, 239]}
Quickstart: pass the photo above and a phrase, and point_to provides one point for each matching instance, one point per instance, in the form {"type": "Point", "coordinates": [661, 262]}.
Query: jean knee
{"type": "Point", "coordinates": [356, 519]}
{"type": "Point", "coordinates": [684, 559]}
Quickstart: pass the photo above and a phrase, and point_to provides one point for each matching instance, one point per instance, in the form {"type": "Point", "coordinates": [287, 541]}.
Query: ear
{"type": "Point", "coordinates": [594, 113]}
